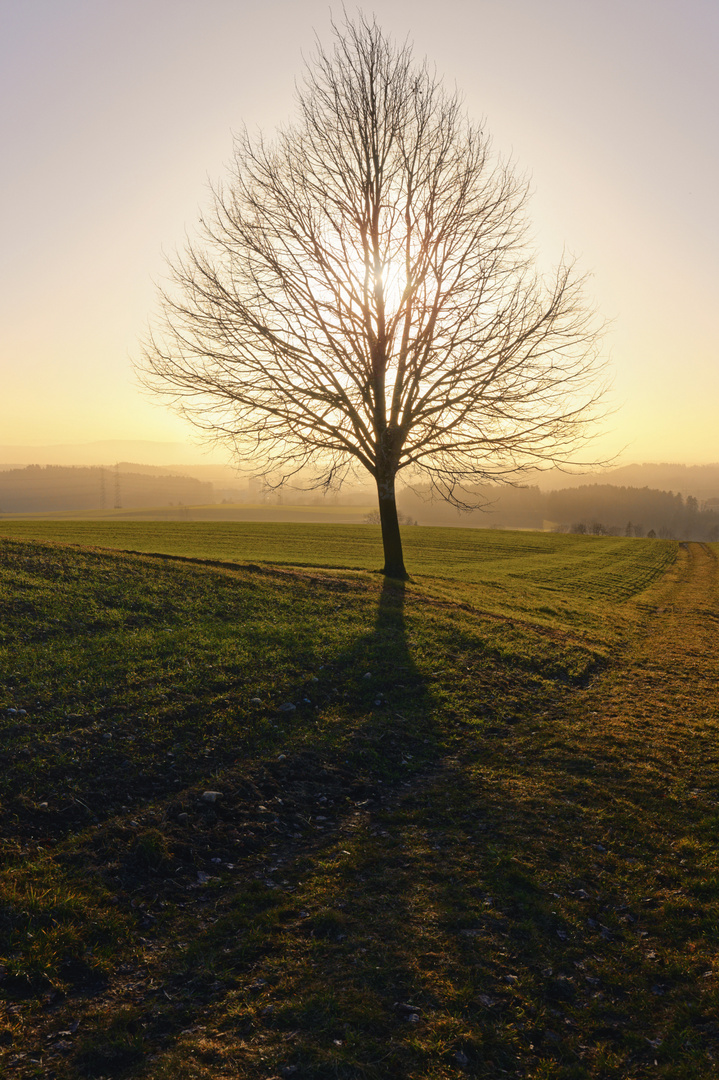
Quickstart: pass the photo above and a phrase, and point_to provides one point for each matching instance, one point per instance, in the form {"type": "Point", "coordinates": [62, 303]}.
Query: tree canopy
{"type": "Point", "coordinates": [362, 295]}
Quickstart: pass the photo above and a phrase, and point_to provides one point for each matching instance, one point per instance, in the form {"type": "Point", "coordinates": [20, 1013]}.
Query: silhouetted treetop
{"type": "Point", "coordinates": [362, 295]}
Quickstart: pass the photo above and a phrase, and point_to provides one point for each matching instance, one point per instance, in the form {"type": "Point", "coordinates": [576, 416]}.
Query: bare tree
{"type": "Point", "coordinates": [362, 294]}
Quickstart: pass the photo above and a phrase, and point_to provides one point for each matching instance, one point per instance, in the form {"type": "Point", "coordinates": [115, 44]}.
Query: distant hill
{"type": "Point", "coordinates": [57, 488]}
{"type": "Point", "coordinates": [701, 481]}
{"type": "Point", "coordinates": [669, 499]}
{"type": "Point", "coordinates": [186, 459]}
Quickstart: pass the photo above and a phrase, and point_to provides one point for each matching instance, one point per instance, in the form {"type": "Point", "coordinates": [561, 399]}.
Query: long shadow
{"type": "Point", "coordinates": [391, 693]}
{"type": "Point", "coordinates": [479, 913]}
{"type": "Point", "coordinates": [276, 817]}
{"type": "Point", "coordinates": [396, 903]}
{"type": "Point", "coordinates": [364, 915]}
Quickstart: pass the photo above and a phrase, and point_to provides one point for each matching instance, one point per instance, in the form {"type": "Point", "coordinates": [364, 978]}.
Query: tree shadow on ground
{"type": "Point", "coordinates": [184, 857]}
{"type": "Point", "coordinates": [414, 898]}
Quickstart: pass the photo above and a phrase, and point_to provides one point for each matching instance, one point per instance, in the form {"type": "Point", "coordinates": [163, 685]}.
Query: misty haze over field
{"type": "Point", "coordinates": [668, 500]}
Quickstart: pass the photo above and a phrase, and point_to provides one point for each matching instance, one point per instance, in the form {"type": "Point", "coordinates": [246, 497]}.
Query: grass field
{"type": "Point", "coordinates": [612, 567]}
{"type": "Point", "coordinates": [457, 826]}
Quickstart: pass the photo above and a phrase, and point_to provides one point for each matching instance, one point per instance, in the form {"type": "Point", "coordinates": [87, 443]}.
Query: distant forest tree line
{"type": "Point", "coordinates": [611, 511]}
{"type": "Point", "coordinates": [601, 509]}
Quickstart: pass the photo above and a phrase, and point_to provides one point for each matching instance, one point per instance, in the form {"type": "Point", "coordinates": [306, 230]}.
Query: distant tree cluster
{"type": "Point", "coordinates": [605, 510]}
{"type": "Point", "coordinates": [596, 509]}
{"type": "Point", "coordinates": [373, 518]}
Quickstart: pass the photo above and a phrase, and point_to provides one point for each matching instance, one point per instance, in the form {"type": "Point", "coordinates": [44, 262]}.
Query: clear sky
{"type": "Point", "coordinates": [116, 114]}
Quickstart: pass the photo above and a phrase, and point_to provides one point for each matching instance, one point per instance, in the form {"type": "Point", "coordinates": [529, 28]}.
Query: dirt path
{"type": "Point", "coordinates": [613, 805]}
{"type": "Point", "coordinates": [675, 665]}
{"type": "Point", "coordinates": [659, 704]}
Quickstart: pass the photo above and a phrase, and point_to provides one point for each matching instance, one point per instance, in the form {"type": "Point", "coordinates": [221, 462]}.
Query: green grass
{"type": "Point", "coordinates": [571, 582]}
{"type": "Point", "coordinates": [612, 567]}
{"type": "Point", "coordinates": [401, 876]}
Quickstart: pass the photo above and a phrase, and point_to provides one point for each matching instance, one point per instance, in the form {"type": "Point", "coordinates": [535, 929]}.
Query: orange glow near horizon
{"type": "Point", "coordinates": [117, 114]}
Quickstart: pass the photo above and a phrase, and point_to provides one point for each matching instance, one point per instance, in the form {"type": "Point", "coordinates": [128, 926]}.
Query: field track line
{"type": "Point", "coordinates": [669, 675]}
{"type": "Point", "coordinates": [634, 755]}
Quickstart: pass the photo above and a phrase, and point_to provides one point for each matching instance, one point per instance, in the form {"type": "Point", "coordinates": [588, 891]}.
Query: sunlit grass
{"type": "Point", "coordinates": [613, 567]}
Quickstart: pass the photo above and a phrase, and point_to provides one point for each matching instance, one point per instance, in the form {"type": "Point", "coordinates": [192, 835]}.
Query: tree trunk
{"type": "Point", "coordinates": [391, 539]}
